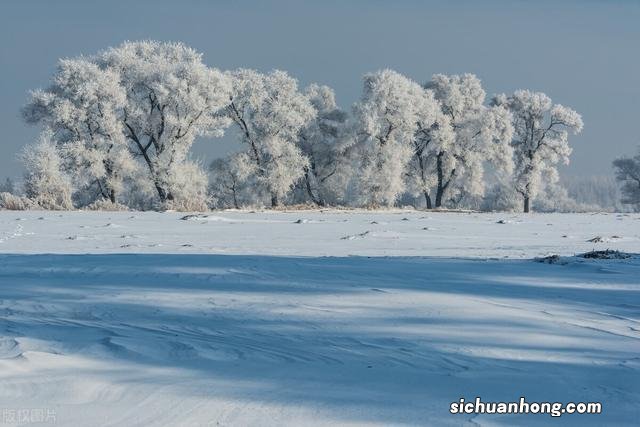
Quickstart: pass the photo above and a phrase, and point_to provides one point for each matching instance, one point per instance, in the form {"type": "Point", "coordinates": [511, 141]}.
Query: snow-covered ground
{"type": "Point", "coordinates": [330, 233]}
{"type": "Point", "coordinates": [310, 318]}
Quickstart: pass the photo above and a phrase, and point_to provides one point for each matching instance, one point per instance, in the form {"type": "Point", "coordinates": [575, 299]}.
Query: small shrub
{"type": "Point", "coordinates": [12, 202]}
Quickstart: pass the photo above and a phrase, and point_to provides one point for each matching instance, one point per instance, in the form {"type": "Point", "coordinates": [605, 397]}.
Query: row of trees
{"type": "Point", "coordinates": [118, 128]}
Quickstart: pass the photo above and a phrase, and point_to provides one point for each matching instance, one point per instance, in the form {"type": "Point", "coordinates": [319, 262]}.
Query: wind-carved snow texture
{"type": "Point", "coordinates": [297, 326]}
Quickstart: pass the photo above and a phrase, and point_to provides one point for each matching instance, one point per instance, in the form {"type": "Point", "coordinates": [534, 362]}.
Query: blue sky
{"type": "Point", "coordinates": [584, 54]}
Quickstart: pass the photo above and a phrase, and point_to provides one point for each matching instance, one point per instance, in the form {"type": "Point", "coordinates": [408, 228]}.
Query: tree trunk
{"type": "Point", "coordinates": [163, 194]}
{"type": "Point", "coordinates": [441, 187]}
{"type": "Point", "coordinates": [439, 194]}
{"type": "Point", "coordinates": [526, 204]}
{"type": "Point", "coordinates": [235, 200]}
{"type": "Point", "coordinates": [427, 198]}
{"type": "Point", "coordinates": [317, 200]}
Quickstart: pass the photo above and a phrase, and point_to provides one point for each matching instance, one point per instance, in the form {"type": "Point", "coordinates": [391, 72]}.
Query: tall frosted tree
{"type": "Point", "coordinates": [541, 138]}
{"type": "Point", "coordinates": [82, 107]}
{"type": "Point", "coordinates": [321, 141]}
{"type": "Point", "coordinates": [171, 97]}
{"type": "Point", "coordinates": [450, 156]}
{"type": "Point", "coordinates": [269, 112]}
{"type": "Point", "coordinates": [386, 119]}
{"type": "Point", "coordinates": [628, 173]}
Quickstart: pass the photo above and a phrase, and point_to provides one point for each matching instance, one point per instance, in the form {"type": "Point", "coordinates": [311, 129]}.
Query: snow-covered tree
{"type": "Point", "coordinates": [553, 197]}
{"type": "Point", "coordinates": [282, 167]}
{"type": "Point", "coordinates": [386, 119]}
{"type": "Point", "coordinates": [269, 112]}
{"type": "Point", "coordinates": [8, 186]}
{"type": "Point", "coordinates": [628, 174]}
{"type": "Point", "coordinates": [501, 197]}
{"type": "Point", "coordinates": [83, 108]}
{"type": "Point", "coordinates": [600, 192]}
{"type": "Point", "coordinates": [450, 156]}
{"type": "Point", "coordinates": [541, 131]}
{"type": "Point", "coordinates": [171, 97]}
{"type": "Point", "coordinates": [45, 183]}
{"type": "Point", "coordinates": [188, 184]}
{"type": "Point", "coordinates": [230, 180]}
{"type": "Point", "coordinates": [321, 141]}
